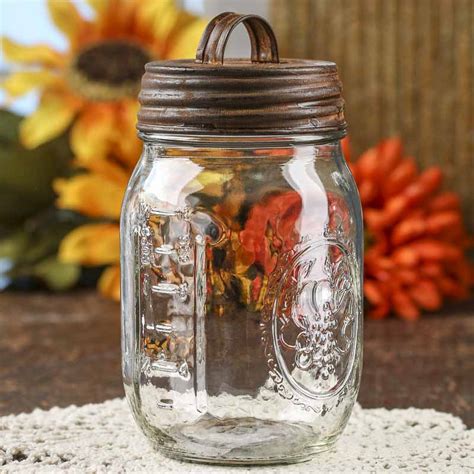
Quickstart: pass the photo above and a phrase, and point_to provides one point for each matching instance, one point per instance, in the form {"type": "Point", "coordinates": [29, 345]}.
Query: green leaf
{"type": "Point", "coordinates": [26, 175]}
{"type": "Point", "coordinates": [14, 245]}
{"type": "Point", "coordinates": [33, 247]}
{"type": "Point", "coordinates": [57, 275]}
{"type": "Point", "coordinates": [9, 127]}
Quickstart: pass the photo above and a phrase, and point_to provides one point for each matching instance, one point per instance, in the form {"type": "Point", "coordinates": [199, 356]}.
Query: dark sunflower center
{"type": "Point", "coordinates": [114, 62]}
{"type": "Point", "coordinates": [109, 70]}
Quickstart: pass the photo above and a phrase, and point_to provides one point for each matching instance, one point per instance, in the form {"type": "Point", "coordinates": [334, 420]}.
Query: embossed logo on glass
{"type": "Point", "coordinates": [310, 319]}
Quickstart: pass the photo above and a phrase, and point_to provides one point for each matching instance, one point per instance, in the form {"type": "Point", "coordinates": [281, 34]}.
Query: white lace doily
{"type": "Point", "coordinates": [103, 438]}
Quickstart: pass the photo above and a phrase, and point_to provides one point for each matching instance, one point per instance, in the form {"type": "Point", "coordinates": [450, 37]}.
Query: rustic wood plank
{"type": "Point", "coordinates": [280, 24]}
{"type": "Point", "coordinates": [405, 65]}
{"type": "Point", "coordinates": [371, 45]}
{"type": "Point", "coordinates": [64, 349]}
{"type": "Point", "coordinates": [463, 120]}
{"type": "Point", "coordinates": [389, 117]}
{"type": "Point", "coordinates": [300, 14]}
{"type": "Point", "coordinates": [446, 94]}
{"type": "Point", "coordinates": [317, 12]}
{"type": "Point", "coordinates": [425, 70]}
{"type": "Point", "coordinates": [350, 70]}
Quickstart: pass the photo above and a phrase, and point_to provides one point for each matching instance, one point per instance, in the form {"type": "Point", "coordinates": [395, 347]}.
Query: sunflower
{"type": "Point", "coordinates": [92, 89]}
{"type": "Point", "coordinates": [99, 75]}
{"type": "Point", "coordinates": [97, 192]}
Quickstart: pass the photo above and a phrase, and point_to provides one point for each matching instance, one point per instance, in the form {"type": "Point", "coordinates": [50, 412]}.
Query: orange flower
{"type": "Point", "coordinates": [415, 238]}
{"type": "Point", "coordinates": [271, 227]}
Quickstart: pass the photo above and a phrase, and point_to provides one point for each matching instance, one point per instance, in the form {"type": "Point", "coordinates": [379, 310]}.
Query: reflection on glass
{"type": "Point", "coordinates": [242, 300]}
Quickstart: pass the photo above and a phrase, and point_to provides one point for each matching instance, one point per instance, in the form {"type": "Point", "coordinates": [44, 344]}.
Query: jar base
{"type": "Point", "coordinates": [243, 441]}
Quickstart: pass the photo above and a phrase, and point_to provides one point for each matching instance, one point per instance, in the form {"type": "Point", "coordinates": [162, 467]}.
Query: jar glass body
{"type": "Point", "coordinates": [241, 297]}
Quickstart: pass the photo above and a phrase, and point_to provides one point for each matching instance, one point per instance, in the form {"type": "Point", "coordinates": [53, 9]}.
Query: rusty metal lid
{"type": "Point", "coordinates": [265, 95]}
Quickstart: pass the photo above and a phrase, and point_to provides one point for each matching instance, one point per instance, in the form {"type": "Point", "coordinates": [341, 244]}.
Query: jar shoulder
{"type": "Point", "coordinates": [317, 180]}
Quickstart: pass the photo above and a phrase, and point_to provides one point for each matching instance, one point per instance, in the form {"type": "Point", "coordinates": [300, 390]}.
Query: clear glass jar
{"type": "Point", "coordinates": [241, 254]}
{"type": "Point", "coordinates": [242, 296]}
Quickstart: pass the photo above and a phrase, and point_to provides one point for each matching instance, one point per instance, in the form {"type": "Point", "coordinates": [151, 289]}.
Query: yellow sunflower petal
{"type": "Point", "coordinates": [210, 182]}
{"type": "Point", "coordinates": [109, 282]}
{"type": "Point", "coordinates": [90, 194]}
{"type": "Point", "coordinates": [160, 16]}
{"type": "Point", "coordinates": [106, 168]}
{"type": "Point", "coordinates": [19, 83]}
{"type": "Point", "coordinates": [92, 133]}
{"type": "Point", "coordinates": [167, 15]}
{"type": "Point", "coordinates": [105, 129]}
{"type": "Point", "coordinates": [97, 5]}
{"type": "Point", "coordinates": [53, 116]}
{"type": "Point", "coordinates": [35, 54]}
{"type": "Point", "coordinates": [92, 244]}
{"type": "Point", "coordinates": [66, 17]}
{"type": "Point", "coordinates": [185, 43]}
{"type": "Point", "coordinates": [117, 17]}
{"type": "Point", "coordinates": [129, 146]}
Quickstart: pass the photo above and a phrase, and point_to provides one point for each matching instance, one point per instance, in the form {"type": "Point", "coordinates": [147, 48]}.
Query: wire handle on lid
{"type": "Point", "coordinates": [211, 48]}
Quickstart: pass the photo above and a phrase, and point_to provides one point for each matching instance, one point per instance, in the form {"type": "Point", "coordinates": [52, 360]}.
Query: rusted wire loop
{"type": "Point", "coordinates": [211, 48]}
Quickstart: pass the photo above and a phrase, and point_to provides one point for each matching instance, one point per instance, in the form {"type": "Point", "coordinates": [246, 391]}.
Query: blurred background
{"type": "Point", "coordinates": [407, 70]}
{"type": "Point", "coordinates": [70, 73]}
{"type": "Point", "coordinates": [407, 67]}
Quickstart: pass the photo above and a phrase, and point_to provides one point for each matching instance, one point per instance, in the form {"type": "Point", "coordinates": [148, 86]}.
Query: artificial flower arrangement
{"type": "Point", "coordinates": [89, 93]}
{"type": "Point", "coordinates": [416, 243]}
{"type": "Point", "coordinates": [415, 240]}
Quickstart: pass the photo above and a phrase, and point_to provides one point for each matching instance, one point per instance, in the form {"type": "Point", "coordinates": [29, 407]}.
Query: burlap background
{"type": "Point", "coordinates": [407, 69]}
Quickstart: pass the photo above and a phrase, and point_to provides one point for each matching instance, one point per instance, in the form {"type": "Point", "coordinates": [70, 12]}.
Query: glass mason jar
{"type": "Point", "coordinates": [241, 254]}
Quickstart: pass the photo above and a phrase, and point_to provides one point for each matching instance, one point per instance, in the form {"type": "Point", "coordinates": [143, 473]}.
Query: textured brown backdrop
{"type": "Point", "coordinates": [407, 69]}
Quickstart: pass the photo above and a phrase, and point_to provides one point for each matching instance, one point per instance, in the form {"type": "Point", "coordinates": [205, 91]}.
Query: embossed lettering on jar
{"type": "Point", "coordinates": [241, 256]}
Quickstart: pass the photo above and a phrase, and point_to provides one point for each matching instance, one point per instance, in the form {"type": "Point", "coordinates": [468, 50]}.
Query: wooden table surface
{"type": "Point", "coordinates": [65, 349]}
